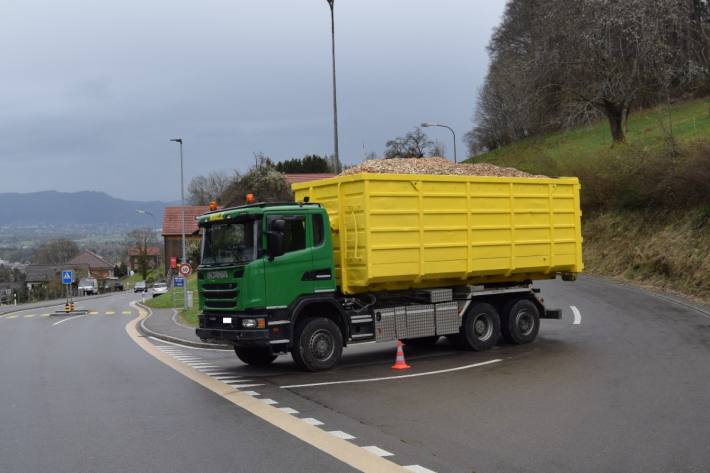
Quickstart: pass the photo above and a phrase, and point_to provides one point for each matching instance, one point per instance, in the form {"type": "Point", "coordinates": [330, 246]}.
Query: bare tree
{"type": "Point", "coordinates": [415, 144]}
{"type": "Point", "coordinates": [263, 181]}
{"type": "Point", "coordinates": [142, 239]}
{"type": "Point", "coordinates": [55, 252]}
{"type": "Point", "coordinates": [204, 189]}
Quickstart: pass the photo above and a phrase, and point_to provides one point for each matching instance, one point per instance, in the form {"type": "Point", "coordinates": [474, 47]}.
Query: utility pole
{"type": "Point", "coordinates": [182, 208]}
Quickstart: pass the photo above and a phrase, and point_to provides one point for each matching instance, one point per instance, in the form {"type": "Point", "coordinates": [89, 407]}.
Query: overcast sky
{"type": "Point", "coordinates": [91, 91]}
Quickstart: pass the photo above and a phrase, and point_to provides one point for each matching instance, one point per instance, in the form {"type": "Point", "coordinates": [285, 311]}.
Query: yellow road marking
{"type": "Point", "coordinates": [93, 313]}
{"type": "Point", "coordinates": [29, 316]}
{"type": "Point", "coordinates": [11, 317]}
{"type": "Point", "coordinates": [340, 449]}
{"type": "Point", "coordinates": [127, 312]}
{"type": "Point", "coordinates": [44, 315]}
{"type": "Point", "coordinates": [110, 312]}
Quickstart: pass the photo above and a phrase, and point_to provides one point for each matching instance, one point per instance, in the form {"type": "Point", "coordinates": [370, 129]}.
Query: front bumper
{"type": "Point", "coordinates": [241, 338]}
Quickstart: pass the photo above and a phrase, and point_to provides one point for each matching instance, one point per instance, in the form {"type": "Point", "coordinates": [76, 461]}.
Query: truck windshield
{"type": "Point", "coordinates": [229, 243]}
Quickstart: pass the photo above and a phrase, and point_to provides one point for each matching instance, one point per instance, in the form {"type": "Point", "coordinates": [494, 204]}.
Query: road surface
{"type": "Point", "coordinates": [620, 384]}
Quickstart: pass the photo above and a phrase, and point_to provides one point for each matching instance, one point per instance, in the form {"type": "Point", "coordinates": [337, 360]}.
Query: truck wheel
{"type": "Point", "coordinates": [421, 342]}
{"type": "Point", "coordinates": [318, 344]}
{"type": "Point", "coordinates": [255, 356]}
{"type": "Point", "coordinates": [521, 321]}
{"type": "Point", "coordinates": [480, 330]}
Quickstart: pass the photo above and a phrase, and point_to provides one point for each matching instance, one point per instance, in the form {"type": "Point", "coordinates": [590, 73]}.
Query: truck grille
{"type": "Point", "coordinates": [220, 296]}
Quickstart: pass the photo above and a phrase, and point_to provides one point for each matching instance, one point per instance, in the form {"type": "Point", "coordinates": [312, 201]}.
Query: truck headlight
{"type": "Point", "coordinates": [249, 323]}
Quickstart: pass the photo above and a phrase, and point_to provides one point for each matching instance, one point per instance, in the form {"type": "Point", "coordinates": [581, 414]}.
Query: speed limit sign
{"type": "Point", "coordinates": [185, 269]}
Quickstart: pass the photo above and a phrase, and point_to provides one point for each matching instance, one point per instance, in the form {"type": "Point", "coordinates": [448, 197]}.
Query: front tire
{"type": "Point", "coordinates": [480, 330]}
{"type": "Point", "coordinates": [318, 344]}
{"type": "Point", "coordinates": [521, 321]}
{"type": "Point", "coordinates": [255, 356]}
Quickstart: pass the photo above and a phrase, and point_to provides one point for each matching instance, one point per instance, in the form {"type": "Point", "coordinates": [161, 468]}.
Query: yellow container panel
{"type": "Point", "coordinates": [393, 231]}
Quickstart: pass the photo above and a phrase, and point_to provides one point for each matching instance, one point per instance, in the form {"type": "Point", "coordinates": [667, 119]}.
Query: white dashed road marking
{"type": "Point", "coordinates": [268, 401]}
{"type": "Point", "coordinates": [378, 451]}
{"type": "Point", "coordinates": [288, 410]}
{"type": "Point", "coordinates": [312, 421]}
{"type": "Point", "coordinates": [577, 315]}
{"type": "Point", "coordinates": [70, 318]}
{"type": "Point", "coordinates": [341, 435]}
{"type": "Point", "coordinates": [418, 469]}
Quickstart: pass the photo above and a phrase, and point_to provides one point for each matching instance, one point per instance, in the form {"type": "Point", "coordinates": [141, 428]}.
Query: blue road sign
{"type": "Point", "coordinates": [179, 282]}
{"type": "Point", "coordinates": [67, 277]}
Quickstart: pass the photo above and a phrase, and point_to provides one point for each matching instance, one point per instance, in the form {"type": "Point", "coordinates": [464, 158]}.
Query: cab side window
{"type": "Point", "coordinates": [294, 232]}
{"type": "Point", "coordinates": [318, 230]}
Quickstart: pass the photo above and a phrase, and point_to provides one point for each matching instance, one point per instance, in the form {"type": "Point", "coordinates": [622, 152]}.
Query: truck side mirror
{"type": "Point", "coordinates": [275, 238]}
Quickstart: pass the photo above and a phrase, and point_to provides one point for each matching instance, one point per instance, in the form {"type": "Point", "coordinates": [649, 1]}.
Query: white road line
{"type": "Point", "coordinates": [378, 451]}
{"type": "Point", "coordinates": [44, 315]}
{"type": "Point", "coordinates": [214, 371]}
{"type": "Point", "coordinates": [413, 375]}
{"type": "Point", "coordinates": [189, 347]}
{"type": "Point", "coordinates": [229, 378]}
{"type": "Point", "coordinates": [70, 318]}
{"type": "Point", "coordinates": [312, 421]}
{"type": "Point", "coordinates": [418, 469]}
{"type": "Point", "coordinates": [251, 393]}
{"type": "Point", "coordinates": [577, 315]}
{"type": "Point", "coordinates": [288, 410]}
{"type": "Point", "coordinates": [342, 435]}
{"type": "Point", "coordinates": [268, 401]}
{"type": "Point", "coordinates": [240, 386]}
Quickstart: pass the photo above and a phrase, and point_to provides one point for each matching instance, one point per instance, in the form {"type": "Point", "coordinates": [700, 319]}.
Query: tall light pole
{"type": "Point", "coordinates": [331, 3]}
{"type": "Point", "coordinates": [427, 125]}
{"type": "Point", "coordinates": [182, 209]}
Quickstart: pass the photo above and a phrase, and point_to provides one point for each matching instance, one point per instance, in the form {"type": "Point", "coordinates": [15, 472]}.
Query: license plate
{"type": "Point", "coordinates": [226, 320]}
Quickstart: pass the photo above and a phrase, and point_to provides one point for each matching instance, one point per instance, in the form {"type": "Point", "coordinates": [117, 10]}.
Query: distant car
{"type": "Point", "coordinates": [88, 286]}
{"type": "Point", "coordinates": [159, 288]}
{"type": "Point", "coordinates": [112, 285]}
{"type": "Point", "coordinates": [140, 287]}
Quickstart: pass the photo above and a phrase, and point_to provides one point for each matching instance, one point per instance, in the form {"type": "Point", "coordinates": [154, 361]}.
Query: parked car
{"type": "Point", "coordinates": [88, 286]}
{"type": "Point", "coordinates": [159, 288]}
{"type": "Point", "coordinates": [140, 287]}
{"type": "Point", "coordinates": [112, 285]}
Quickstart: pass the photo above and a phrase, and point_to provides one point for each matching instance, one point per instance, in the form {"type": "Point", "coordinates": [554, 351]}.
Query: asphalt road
{"type": "Point", "coordinates": [626, 389]}
{"type": "Point", "coordinates": [81, 396]}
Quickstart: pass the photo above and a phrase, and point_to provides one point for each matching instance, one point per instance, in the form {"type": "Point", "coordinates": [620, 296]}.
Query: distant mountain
{"type": "Point", "coordinates": [83, 208]}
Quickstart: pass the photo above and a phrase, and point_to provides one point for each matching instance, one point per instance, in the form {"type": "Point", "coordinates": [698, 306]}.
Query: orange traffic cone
{"type": "Point", "coordinates": [399, 363]}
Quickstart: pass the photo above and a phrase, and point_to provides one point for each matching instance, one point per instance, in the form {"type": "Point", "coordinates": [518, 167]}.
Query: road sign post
{"type": "Point", "coordinates": [67, 280]}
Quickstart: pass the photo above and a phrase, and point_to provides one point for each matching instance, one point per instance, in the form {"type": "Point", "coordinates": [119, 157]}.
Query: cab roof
{"type": "Point", "coordinates": [253, 209]}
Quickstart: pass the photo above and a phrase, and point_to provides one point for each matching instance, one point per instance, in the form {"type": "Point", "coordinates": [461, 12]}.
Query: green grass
{"type": "Point", "coordinates": [555, 154]}
{"type": "Point", "coordinates": [165, 301]}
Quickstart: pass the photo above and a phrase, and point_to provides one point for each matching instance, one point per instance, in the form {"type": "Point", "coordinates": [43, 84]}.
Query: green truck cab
{"type": "Point", "coordinates": [263, 266]}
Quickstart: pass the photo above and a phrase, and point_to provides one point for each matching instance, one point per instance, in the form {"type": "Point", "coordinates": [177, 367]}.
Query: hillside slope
{"type": "Point", "coordinates": [646, 203]}
{"type": "Point", "coordinates": [59, 208]}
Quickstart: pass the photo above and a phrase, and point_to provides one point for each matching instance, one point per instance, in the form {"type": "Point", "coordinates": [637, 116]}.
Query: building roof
{"type": "Point", "coordinates": [172, 219]}
{"type": "Point", "coordinates": [92, 260]}
{"type": "Point", "coordinates": [152, 251]}
{"type": "Point", "coordinates": [296, 178]}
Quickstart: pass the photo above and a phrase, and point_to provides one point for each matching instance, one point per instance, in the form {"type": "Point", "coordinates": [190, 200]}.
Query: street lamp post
{"type": "Point", "coordinates": [331, 3]}
{"type": "Point", "coordinates": [427, 125]}
{"type": "Point", "coordinates": [182, 209]}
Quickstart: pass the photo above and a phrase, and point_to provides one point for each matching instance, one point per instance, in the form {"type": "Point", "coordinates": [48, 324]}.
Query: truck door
{"type": "Point", "coordinates": [284, 274]}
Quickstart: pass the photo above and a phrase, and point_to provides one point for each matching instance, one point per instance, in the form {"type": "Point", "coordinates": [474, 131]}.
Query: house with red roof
{"type": "Point", "coordinates": [98, 267]}
{"type": "Point", "coordinates": [172, 231]}
{"type": "Point", "coordinates": [153, 255]}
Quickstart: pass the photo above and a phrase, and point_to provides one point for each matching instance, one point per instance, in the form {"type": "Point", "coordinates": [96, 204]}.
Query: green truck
{"type": "Point", "coordinates": [310, 278]}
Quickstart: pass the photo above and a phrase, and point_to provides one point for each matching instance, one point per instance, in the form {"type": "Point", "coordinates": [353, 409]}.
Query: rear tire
{"type": "Point", "coordinates": [421, 342]}
{"type": "Point", "coordinates": [318, 344]}
{"type": "Point", "coordinates": [480, 330]}
{"type": "Point", "coordinates": [255, 356]}
{"type": "Point", "coordinates": [521, 321]}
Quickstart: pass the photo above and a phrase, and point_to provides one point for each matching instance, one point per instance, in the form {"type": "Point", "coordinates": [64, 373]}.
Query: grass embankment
{"type": "Point", "coordinates": [174, 299]}
{"type": "Point", "coordinates": [646, 203]}
{"type": "Point", "coordinates": [153, 275]}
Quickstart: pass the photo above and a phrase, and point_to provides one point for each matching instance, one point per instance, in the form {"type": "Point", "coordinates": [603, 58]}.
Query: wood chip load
{"type": "Point", "coordinates": [438, 166]}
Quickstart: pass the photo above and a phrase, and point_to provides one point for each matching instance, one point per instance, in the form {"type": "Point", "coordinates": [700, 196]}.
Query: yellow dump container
{"type": "Point", "coordinates": [401, 231]}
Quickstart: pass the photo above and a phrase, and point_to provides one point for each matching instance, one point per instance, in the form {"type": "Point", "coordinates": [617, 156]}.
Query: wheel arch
{"type": "Point", "coordinates": [320, 306]}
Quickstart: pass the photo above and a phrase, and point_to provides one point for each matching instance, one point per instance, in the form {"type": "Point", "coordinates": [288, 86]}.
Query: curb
{"type": "Point", "coordinates": [19, 308]}
{"type": "Point", "coordinates": [167, 338]}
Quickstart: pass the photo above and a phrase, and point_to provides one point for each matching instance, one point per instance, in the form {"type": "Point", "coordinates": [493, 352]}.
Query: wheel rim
{"type": "Point", "coordinates": [482, 327]}
{"type": "Point", "coordinates": [524, 323]}
{"type": "Point", "coordinates": [321, 345]}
